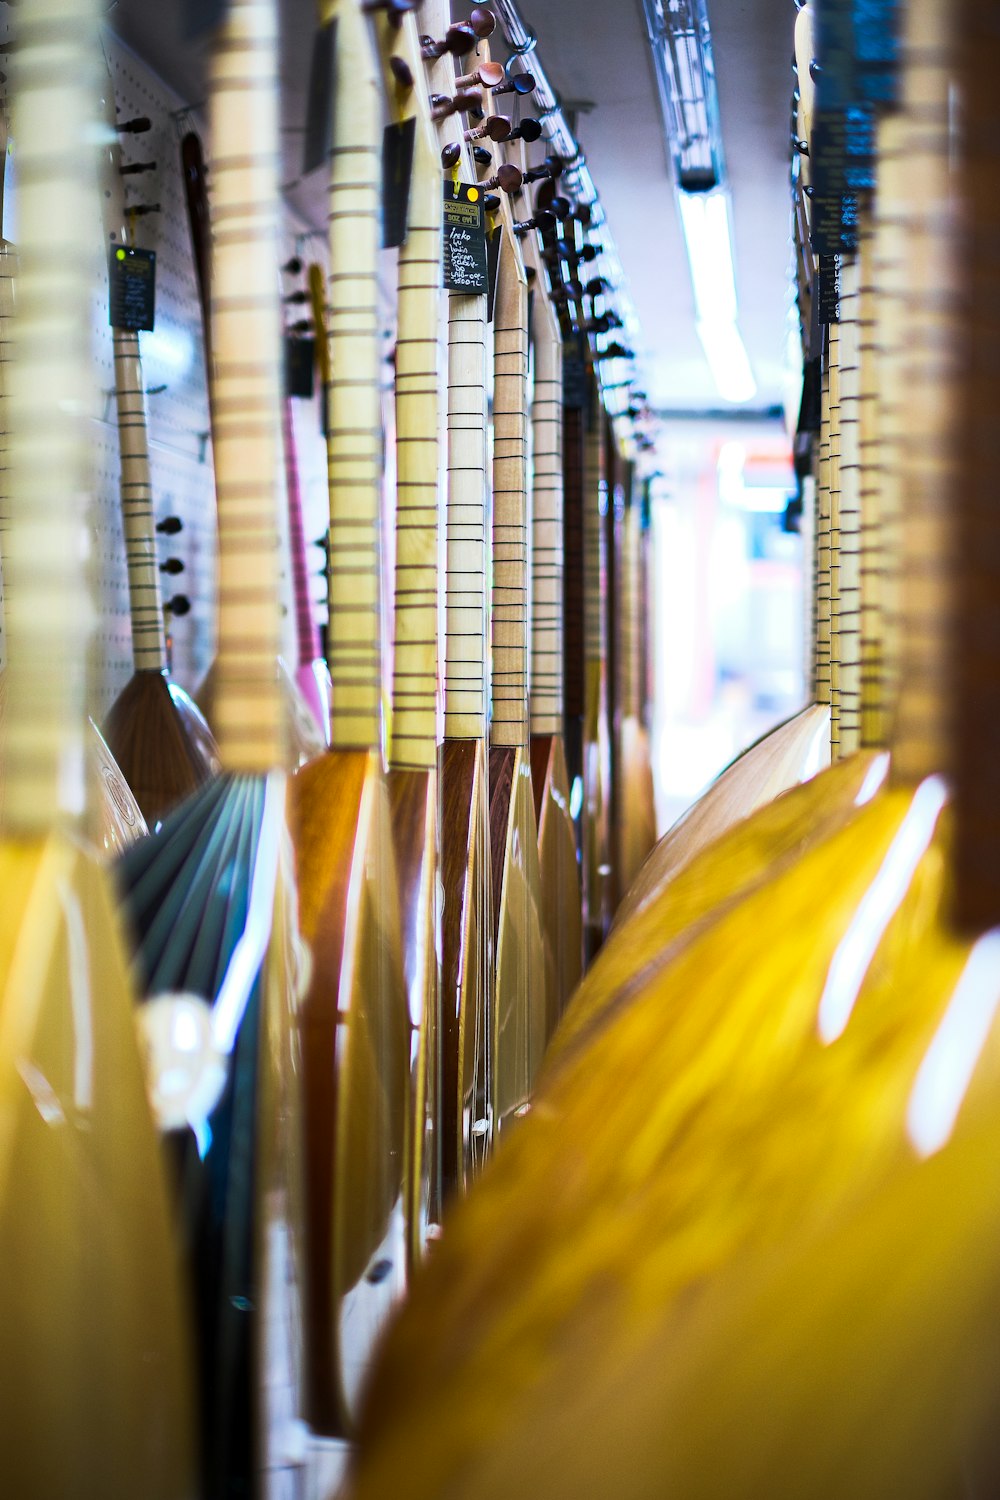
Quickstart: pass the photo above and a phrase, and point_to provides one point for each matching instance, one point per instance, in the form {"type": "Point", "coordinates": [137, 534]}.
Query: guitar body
{"type": "Point", "coordinates": [356, 1051]}
{"type": "Point", "coordinates": [788, 755]}
{"type": "Point", "coordinates": [95, 1383]}
{"type": "Point", "coordinates": [414, 814]}
{"type": "Point", "coordinates": [559, 874]}
{"type": "Point", "coordinates": [161, 741]}
{"type": "Point", "coordinates": [121, 819]}
{"type": "Point", "coordinates": [467, 1105]}
{"type": "Point", "coordinates": [637, 834]}
{"type": "Point", "coordinates": [520, 994]}
{"type": "Point", "coordinates": [211, 902]}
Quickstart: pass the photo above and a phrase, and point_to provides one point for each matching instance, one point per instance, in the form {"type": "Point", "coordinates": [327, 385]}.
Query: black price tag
{"type": "Point", "coordinates": [318, 140]}
{"type": "Point", "coordinates": [465, 259]}
{"type": "Point", "coordinates": [397, 169]}
{"type": "Point", "coordinates": [300, 364]}
{"type": "Point", "coordinates": [132, 278]}
{"type": "Point", "coordinates": [200, 16]}
{"type": "Point", "coordinates": [574, 380]}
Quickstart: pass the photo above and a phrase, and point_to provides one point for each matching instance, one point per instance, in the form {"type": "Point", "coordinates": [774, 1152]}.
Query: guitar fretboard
{"type": "Point", "coordinates": [246, 386]}
{"type": "Point", "coordinates": [873, 725]}
{"type": "Point", "coordinates": [594, 504]}
{"type": "Point", "coordinates": [833, 491]}
{"type": "Point", "coordinates": [510, 543]}
{"type": "Point", "coordinates": [822, 597]}
{"type": "Point", "coordinates": [149, 649]}
{"type": "Point", "coordinates": [928, 385]}
{"type": "Point", "coordinates": [848, 590]}
{"type": "Point", "coordinates": [413, 737]}
{"type": "Point", "coordinates": [354, 426]}
{"type": "Point", "coordinates": [546, 521]}
{"type": "Point", "coordinates": [573, 497]}
{"type": "Point", "coordinates": [50, 614]}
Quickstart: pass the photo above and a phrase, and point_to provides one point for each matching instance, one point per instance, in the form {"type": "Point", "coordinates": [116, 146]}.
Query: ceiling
{"type": "Point", "coordinates": [596, 54]}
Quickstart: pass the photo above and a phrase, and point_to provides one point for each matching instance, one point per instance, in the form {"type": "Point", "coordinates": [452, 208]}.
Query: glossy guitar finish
{"type": "Point", "coordinates": [155, 731]}
{"type": "Point", "coordinates": [356, 1021]}
{"type": "Point", "coordinates": [95, 1379]}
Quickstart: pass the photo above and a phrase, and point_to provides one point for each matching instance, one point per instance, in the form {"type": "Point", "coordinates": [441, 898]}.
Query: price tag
{"type": "Point", "coordinates": [465, 259]}
{"type": "Point", "coordinates": [300, 364]}
{"type": "Point", "coordinates": [132, 280]}
{"type": "Point", "coordinates": [827, 291]}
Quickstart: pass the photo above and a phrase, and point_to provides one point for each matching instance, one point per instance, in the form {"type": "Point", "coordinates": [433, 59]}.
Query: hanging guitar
{"type": "Point", "coordinates": [155, 731]}
{"type": "Point", "coordinates": [96, 1379]}
{"type": "Point", "coordinates": [211, 898]}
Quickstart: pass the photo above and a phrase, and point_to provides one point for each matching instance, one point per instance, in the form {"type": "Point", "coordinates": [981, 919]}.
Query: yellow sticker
{"type": "Point", "coordinates": [473, 195]}
{"type": "Point", "coordinates": [120, 254]}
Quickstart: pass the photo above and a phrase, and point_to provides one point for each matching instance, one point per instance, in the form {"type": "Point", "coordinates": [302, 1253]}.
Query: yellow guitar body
{"type": "Point", "coordinates": [356, 1048]}
{"type": "Point", "coordinates": [467, 1093]}
{"type": "Point", "coordinates": [520, 997]}
{"type": "Point", "coordinates": [95, 1378]}
{"type": "Point", "coordinates": [559, 875]}
{"type": "Point", "coordinates": [791, 753]}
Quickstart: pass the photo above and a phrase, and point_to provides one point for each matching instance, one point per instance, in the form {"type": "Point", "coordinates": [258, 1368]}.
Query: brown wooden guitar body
{"type": "Point", "coordinates": [356, 1037]}
{"type": "Point", "coordinates": [161, 741]}
{"type": "Point", "coordinates": [414, 813]}
{"type": "Point", "coordinates": [466, 1092]}
{"type": "Point", "coordinates": [303, 735]}
{"type": "Point", "coordinates": [637, 833]}
{"type": "Point", "coordinates": [520, 1006]}
{"type": "Point", "coordinates": [559, 873]}
{"type": "Point", "coordinates": [789, 754]}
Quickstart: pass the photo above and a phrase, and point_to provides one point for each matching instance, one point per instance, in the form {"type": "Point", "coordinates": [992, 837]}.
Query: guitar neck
{"type": "Point", "coordinates": [849, 539]}
{"type": "Point", "coordinates": [574, 438]}
{"type": "Point", "coordinates": [467, 540]}
{"type": "Point", "coordinates": [546, 697]}
{"type": "Point", "coordinates": [55, 96]}
{"type": "Point", "coordinates": [246, 383]}
{"type": "Point", "coordinates": [594, 498]}
{"type": "Point", "coordinates": [510, 522]}
{"type": "Point", "coordinates": [414, 731]}
{"type": "Point", "coordinates": [929, 220]}
{"type": "Point", "coordinates": [8, 266]}
{"type": "Point", "coordinates": [354, 422]}
{"type": "Point", "coordinates": [306, 634]}
{"type": "Point", "coordinates": [149, 648]}
{"type": "Point", "coordinates": [631, 612]}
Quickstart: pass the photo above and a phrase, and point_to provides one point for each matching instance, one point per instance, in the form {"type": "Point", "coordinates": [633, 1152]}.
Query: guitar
{"type": "Point", "coordinates": [96, 1381]}
{"type": "Point", "coordinates": [312, 676]}
{"type": "Point", "coordinates": [596, 846]}
{"type": "Point", "coordinates": [557, 857]}
{"type": "Point", "coordinates": [305, 732]}
{"type": "Point", "coordinates": [210, 898]}
{"type": "Point", "coordinates": [521, 1005]}
{"type": "Point", "coordinates": [355, 1022]}
{"type": "Point", "coordinates": [466, 1097]}
{"type": "Point", "coordinates": [413, 734]}
{"type": "Point", "coordinates": [155, 731]}
{"type": "Point", "coordinates": [637, 825]}
{"type": "Point", "coordinates": [121, 821]}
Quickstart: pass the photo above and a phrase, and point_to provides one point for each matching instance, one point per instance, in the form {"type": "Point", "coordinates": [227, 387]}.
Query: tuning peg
{"type": "Point", "coordinates": [491, 203]}
{"type": "Point", "coordinates": [443, 105]}
{"type": "Point", "coordinates": [293, 267]}
{"type": "Point", "coordinates": [459, 40]}
{"type": "Point", "coordinates": [138, 126]}
{"type": "Point", "coordinates": [451, 155]}
{"type": "Point", "coordinates": [172, 565]}
{"type": "Point", "coordinates": [297, 298]}
{"type": "Point", "coordinates": [597, 286]}
{"type": "Point", "coordinates": [303, 327]}
{"type": "Point", "coordinates": [481, 156]}
{"type": "Point", "coordinates": [603, 324]}
{"type": "Point", "coordinates": [140, 209]}
{"type": "Point", "coordinates": [401, 71]}
{"type": "Point", "coordinates": [170, 525]}
{"type": "Point", "coordinates": [540, 173]}
{"type": "Point", "coordinates": [507, 178]}
{"type": "Point", "coordinates": [800, 145]}
{"type": "Point", "coordinates": [496, 128]}
{"type": "Point", "coordinates": [544, 220]}
{"type": "Point", "coordinates": [483, 21]}
{"type": "Point", "coordinates": [135, 167]}
{"type": "Point", "coordinates": [528, 130]}
{"type": "Point", "coordinates": [322, 541]}
{"type": "Point", "coordinates": [517, 83]}
{"type": "Point", "coordinates": [488, 75]}
{"type": "Point", "coordinates": [615, 351]}
{"type": "Point", "coordinates": [179, 605]}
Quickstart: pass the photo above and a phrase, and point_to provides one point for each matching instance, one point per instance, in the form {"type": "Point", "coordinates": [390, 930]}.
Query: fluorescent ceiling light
{"type": "Point", "coordinates": [727, 360]}
{"type": "Point", "coordinates": [705, 221]}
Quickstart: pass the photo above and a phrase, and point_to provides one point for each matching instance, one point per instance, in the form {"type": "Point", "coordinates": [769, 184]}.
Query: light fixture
{"type": "Point", "coordinates": [705, 221]}
{"type": "Point", "coordinates": [728, 360]}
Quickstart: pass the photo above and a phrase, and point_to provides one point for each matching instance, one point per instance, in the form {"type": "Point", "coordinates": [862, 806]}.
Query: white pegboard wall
{"type": "Point", "coordinates": [176, 403]}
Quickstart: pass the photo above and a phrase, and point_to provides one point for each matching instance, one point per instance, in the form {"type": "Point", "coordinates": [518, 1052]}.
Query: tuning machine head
{"type": "Point", "coordinates": [517, 83]}
{"type": "Point", "coordinates": [541, 221]}
{"type": "Point", "coordinates": [170, 525]}
{"type": "Point", "coordinates": [507, 178]}
{"type": "Point", "coordinates": [179, 605]}
{"type": "Point", "coordinates": [458, 40]}
{"type": "Point", "coordinates": [481, 156]}
{"type": "Point", "coordinates": [483, 21]}
{"type": "Point", "coordinates": [172, 565]}
{"type": "Point", "coordinates": [443, 105]}
{"type": "Point", "coordinates": [496, 128]}
{"type": "Point", "coordinates": [615, 351]}
{"type": "Point", "coordinates": [529, 130]}
{"type": "Point", "coordinates": [487, 75]}
{"type": "Point", "coordinates": [451, 155]}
